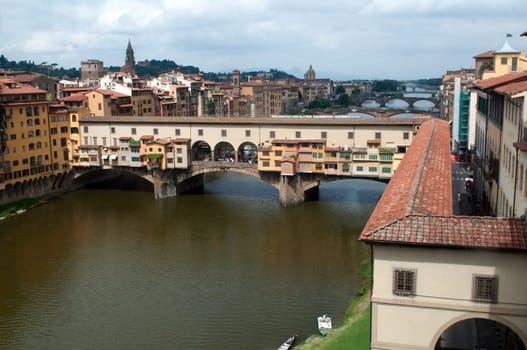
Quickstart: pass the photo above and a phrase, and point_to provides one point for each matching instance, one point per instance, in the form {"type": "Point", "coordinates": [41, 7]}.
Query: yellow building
{"type": "Point", "coordinates": [24, 139]}
{"type": "Point", "coordinates": [504, 61]}
{"type": "Point", "coordinates": [59, 136]}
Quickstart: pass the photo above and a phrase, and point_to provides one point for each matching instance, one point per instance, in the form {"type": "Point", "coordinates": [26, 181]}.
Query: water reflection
{"type": "Point", "coordinates": [229, 268]}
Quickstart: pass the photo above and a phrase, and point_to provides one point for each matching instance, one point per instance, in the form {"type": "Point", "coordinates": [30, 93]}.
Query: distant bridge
{"type": "Point", "coordinates": [384, 101]}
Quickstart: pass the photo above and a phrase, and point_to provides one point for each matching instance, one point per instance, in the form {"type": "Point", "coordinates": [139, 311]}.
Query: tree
{"type": "Point", "coordinates": [385, 85]}
{"type": "Point", "coordinates": [319, 102]}
{"type": "Point", "coordinates": [343, 100]}
{"type": "Point", "coordinates": [340, 90]}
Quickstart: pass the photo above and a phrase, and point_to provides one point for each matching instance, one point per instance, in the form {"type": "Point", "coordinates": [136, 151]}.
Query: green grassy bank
{"type": "Point", "coordinates": [354, 333]}
{"type": "Point", "coordinates": [20, 206]}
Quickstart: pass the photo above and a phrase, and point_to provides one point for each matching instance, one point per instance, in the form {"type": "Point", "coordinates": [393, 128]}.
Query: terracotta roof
{"type": "Point", "coordinates": [454, 231]}
{"type": "Point", "coordinates": [74, 97]}
{"type": "Point", "coordinates": [147, 137]}
{"type": "Point", "coordinates": [416, 206]}
{"type": "Point", "coordinates": [182, 140]}
{"type": "Point", "coordinates": [373, 142]}
{"type": "Point", "coordinates": [513, 88]}
{"type": "Point", "coordinates": [501, 80]}
{"type": "Point", "coordinates": [486, 54]}
{"type": "Point", "coordinates": [21, 89]}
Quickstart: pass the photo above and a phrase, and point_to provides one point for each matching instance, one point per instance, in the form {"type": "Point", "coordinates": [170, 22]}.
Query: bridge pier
{"type": "Point", "coordinates": [292, 190]}
{"type": "Point", "coordinates": [170, 183]}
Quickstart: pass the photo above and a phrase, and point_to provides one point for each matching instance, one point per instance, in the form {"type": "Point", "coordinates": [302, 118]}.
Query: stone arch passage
{"type": "Point", "coordinates": [480, 334]}
{"type": "Point", "coordinates": [224, 151]}
{"type": "Point", "coordinates": [201, 151]}
{"type": "Point", "coordinates": [247, 153]}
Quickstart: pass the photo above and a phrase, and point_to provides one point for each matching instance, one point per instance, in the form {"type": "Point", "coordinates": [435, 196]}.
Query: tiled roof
{"type": "Point", "coordinates": [74, 97]}
{"type": "Point", "coordinates": [513, 88]}
{"type": "Point", "coordinates": [491, 83]}
{"type": "Point", "coordinates": [486, 54]}
{"type": "Point", "coordinates": [454, 231]}
{"type": "Point", "coordinates": [416, 206]}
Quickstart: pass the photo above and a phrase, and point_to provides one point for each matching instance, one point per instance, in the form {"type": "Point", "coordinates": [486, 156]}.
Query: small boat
{"type": "Point", "coordinates": [324, 324]}
{"type": "Point", "coordinates": [288, 344]}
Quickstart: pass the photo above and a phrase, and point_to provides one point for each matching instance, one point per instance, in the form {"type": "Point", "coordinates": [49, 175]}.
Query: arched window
{"type": "Point", "coordinates": [39, 145]}
{"type": "Point", "coordinates": [31, 146]}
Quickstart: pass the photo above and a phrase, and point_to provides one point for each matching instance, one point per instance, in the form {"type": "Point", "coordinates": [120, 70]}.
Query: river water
{"type": "Point", "coordinates": [226, 269]}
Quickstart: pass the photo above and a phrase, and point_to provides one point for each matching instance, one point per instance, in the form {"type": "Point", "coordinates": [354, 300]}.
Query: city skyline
{"type": "Point", "coordinates": [342, 40]}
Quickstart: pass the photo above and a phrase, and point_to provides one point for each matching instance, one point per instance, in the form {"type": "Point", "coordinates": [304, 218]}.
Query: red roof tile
{"type": "Point", "coordinates": [513, 88]}
{"type": "Point", "coordinates": [453, 231]}
{"type": "Point", "coordinates": [486, 54]}
{"type": "Point", "coordinates": [495, 82]}
{"type": "Point", "coordinates": [416, 206]}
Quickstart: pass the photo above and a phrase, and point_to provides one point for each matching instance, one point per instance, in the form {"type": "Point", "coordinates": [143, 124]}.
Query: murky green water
{"type": "Point", "coordinates": [227, 269]}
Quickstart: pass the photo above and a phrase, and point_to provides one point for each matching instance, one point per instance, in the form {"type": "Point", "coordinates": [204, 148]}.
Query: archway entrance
{"type": "Point", "coordinates": [224, 152]}
{"type": "Point", "coordinates": [201, 151]}
{"type": "Point", "coordinates": [479, 334]}
{"type": "Point", "coordinates": [247, 153]}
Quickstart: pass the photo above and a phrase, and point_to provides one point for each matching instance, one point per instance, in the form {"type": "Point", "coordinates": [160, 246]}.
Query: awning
{"type": "Point", "coordinates": [152, 156]}
{"type": "Point", "coordinates": [105, 156]}
{"type": "Point", "coordinates": [114, 157]}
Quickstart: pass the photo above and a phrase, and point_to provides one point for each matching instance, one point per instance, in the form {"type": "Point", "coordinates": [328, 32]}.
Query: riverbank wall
{"type": "Point", "coordinates": [38, 188]}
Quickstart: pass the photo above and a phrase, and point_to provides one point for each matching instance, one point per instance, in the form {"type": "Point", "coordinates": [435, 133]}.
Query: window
{"type": "Point", "coordinates": [85, 129]}
{"type": "Point", "coordinates": [134, 131]}
{"type": "Point", "coordinates": [406, 135]}
{"type": "Point", "coordinates": [386, 170]}
{"type": "Point", "coordinates": [63, 142]}
{"type": "Point", "coordinates": [179, 159]}
{"type": "Point", "coordinates": [372, 169]}
{"type": "Point", "coordinates": [112, 130]}
{"type": "Point", "coordinates": [247, 133]}
{"type": "Point", "coordinates": [28, 111]}
{"type": "Point", "coordinates": [504, 60]}
{"type": "Point", "coordinates": [99, 106]}
{"type": "Point", "coordinates": [276, 163]}
{"type": "Point", "coordinates": [298, 134]}
{"type": "Point", "coordinates": [200, 132]}
{"type": "Point", "coordinates": [63, 129]}
{"type": "Point", "coordinates": [265, 163]}
{"type": "Point", "coordinates": [179, 150]}
{"type": "Point", "coordinates": [272, 134]}
{"type": "Point", "coordinates": [278, 153]}
{"type": "Point", "coordinates": [156, 131]}
{"type": "Point", "coordinates": [223, 132]}
{"type": "Point", "coordinates": [485, 289]}
{"type": "Point", "coordinates": [377, 135]}
{"type": "Point", "coordinates": [360, 168]}
{"type": "Point", "coordinates": [404, 282]}
{"type": "Point", "coordinates": [178, 132]}
{"type": "Point", "coordinates": [323, 135]}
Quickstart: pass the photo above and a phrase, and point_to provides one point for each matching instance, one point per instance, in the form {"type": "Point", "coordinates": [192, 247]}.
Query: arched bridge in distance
{"type": "Point", "coordinates": [293, 190]}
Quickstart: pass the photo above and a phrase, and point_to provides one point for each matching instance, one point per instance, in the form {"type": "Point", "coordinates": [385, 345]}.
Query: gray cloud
{"type": "Point", "coordinates": [340, 38]}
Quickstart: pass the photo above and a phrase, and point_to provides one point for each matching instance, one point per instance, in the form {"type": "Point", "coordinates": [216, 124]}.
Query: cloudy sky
{"type": "Point", "coordinates": [342, 39]}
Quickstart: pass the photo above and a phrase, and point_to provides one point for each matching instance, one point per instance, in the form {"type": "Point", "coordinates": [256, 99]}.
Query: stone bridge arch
{"type": "Point", "coordinates": [89, 176]}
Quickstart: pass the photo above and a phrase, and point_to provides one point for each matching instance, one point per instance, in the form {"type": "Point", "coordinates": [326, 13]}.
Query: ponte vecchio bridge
{"type": "Point", "coordinates": [232, 144]}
